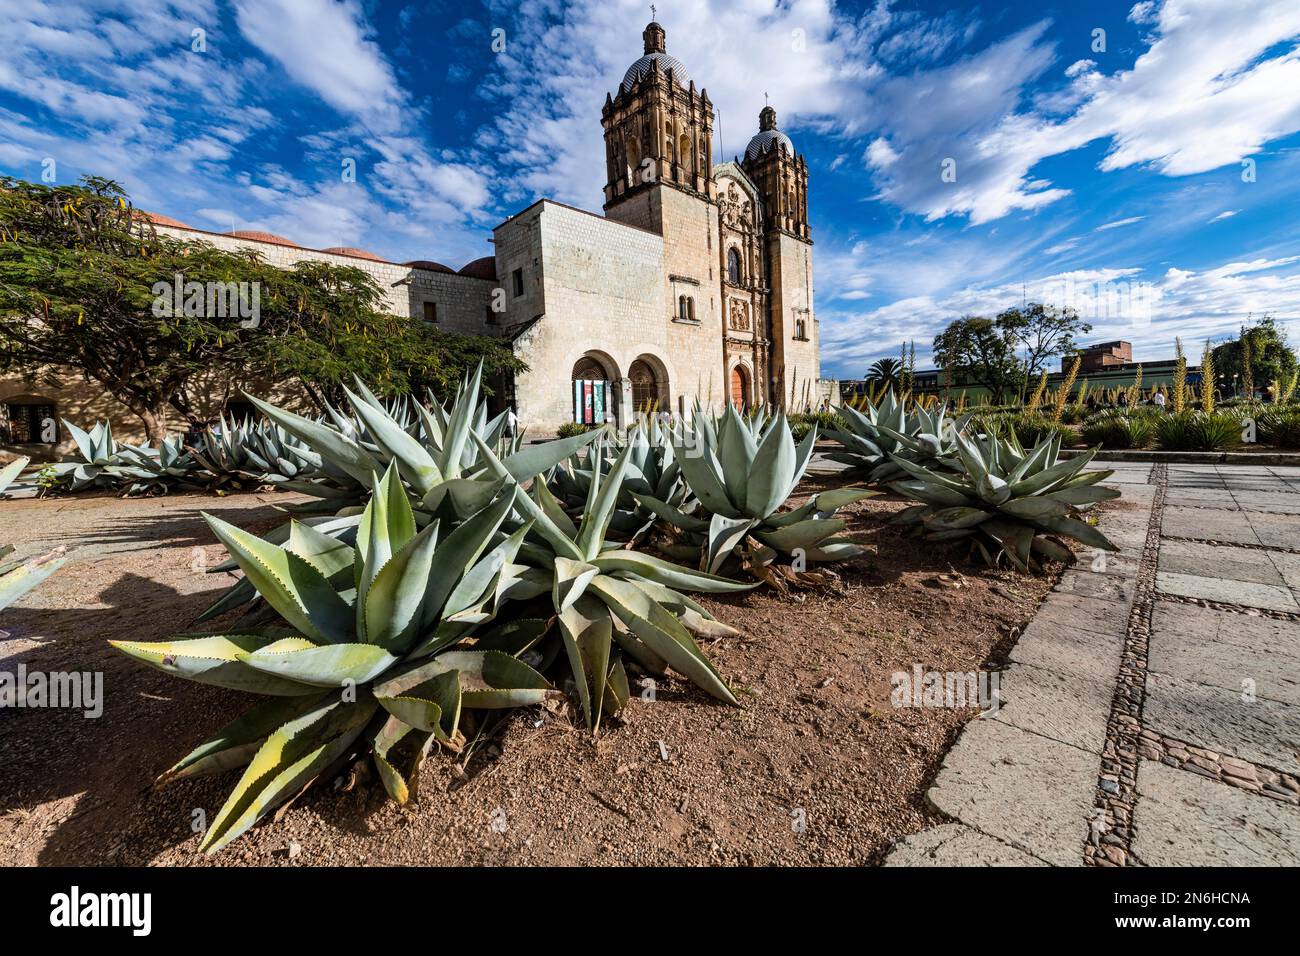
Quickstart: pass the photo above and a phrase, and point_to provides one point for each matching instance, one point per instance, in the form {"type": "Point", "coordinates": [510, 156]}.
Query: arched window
{"type": "Point", "coordinates": [733, 266]}
{"type": "Point", "coordinates": [633, 150]}
{"type": "Point", "coordinates": [684, 150]}
{"type": "Point", "coordinates": [690, 307]}
{"type": "Point", "coordinates": [681, 308]}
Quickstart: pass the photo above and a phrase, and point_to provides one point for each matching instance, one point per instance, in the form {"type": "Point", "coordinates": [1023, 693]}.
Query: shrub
{"type": "Point", "coordinates": [1280, 426]}
{"type": "Point", "coordinates": [1032, 427]}
{"type": "Point", "coordinates": [569, 429]}
{"type": "Point", "coordinates": [1116, 429]}
{"type": "Point", "coordinates": [1198, 431]}
{"type": "Point", "coordinates": [801, 422]}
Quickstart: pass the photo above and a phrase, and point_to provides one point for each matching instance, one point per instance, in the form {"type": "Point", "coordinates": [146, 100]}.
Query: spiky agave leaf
{"type": "Point", "coordinates": [602, 592]}
{"type": "Point", "coordinates": [875, 435]}
{"type": "Point", "coordinates": [741, 477]}
{"type": "Point", "coordinates": [367, 663]}
{"type": "Point", "coordinates": [1011, 503]}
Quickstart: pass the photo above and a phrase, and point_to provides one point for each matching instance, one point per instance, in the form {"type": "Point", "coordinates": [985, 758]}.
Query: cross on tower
{"type": "Point", "coordinates": [653, 12]}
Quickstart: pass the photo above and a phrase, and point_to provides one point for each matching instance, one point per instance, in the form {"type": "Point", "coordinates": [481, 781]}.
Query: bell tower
{"type": "Point", "coordinates": [658, 127]}
{"type": "Point", "coordinates": [781, 175]}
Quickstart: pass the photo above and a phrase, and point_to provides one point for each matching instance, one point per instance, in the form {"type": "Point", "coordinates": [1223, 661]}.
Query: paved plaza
{"type": "Point", "coordinates": [1150, 713]}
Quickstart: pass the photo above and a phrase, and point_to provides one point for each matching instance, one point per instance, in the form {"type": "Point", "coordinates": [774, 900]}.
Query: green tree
{"type": "Point", "coordinates": [984, 354]}
{"type": "Point", "coordinates": [86, 289]}
{"type": "Point", "coordinates": [1042, 333]}
{"type": "Point", "coordinates": [886, 370]}
{"type": "Point", "coordinates": [1270, 357]}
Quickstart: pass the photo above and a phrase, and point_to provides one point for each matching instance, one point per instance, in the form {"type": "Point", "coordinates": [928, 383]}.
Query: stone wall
{"type": "Point", "coordinates": [795, 362]}
{"type": "Point", "coordinates": [598, 288]}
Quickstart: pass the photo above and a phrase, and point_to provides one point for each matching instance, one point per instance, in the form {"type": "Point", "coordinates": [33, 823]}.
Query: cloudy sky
{"type": "Point", "coordinates": [1140, 162]}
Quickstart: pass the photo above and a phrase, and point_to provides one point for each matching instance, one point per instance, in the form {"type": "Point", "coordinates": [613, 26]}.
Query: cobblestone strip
{"type": "Point", "coordinates": [1231, 544]}
{"type": "Point", "coordinates": [1109, 836]}
{"type": "Point", "coordinates": [1292, 617]}
{"type": "Point", "coordinates": [1243, 774]}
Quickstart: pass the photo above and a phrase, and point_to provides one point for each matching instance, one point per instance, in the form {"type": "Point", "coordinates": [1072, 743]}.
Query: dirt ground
{"type": "Point", "coordinates": [816, 768]}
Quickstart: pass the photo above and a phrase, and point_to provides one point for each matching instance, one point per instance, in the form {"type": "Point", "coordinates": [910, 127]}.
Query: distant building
{"type": "Point", "coordinates": [1106, 365]}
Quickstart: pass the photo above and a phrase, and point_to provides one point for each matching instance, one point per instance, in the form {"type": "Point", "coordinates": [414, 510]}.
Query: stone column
{"type": "Point", "coordinates": [625, 409]}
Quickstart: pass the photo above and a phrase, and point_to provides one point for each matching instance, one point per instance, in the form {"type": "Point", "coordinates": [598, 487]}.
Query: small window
{"type": "Point", "coordinates": [690, 308]}
{"type": "Point", "coordinates": [733, 266]}
{"type": "Point", "coordinates": [431, 311]}
{"type": "Point", "coordinates": [29, 424]}
{"type": "Point", "coordinates": [800, 330]}
{"type": "Point", "coordinates": [517, 277]}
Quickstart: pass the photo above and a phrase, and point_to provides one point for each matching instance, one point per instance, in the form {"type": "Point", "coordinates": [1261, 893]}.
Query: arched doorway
{"type": "Point", "coordinates": [594, 390]}
{"type": "Point", "coordinates": [645, 386]}
{"type": "Point", "coordinates": [740, 387]}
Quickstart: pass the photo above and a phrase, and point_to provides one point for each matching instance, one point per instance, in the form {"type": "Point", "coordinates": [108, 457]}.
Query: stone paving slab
{"type": "Point", "coordinates": [1213, 525]}
{"type": "Point", "coordinates": [1102, 615]}
{"type": "Point", "coordinates": [1207, 560]}
{"type": "Point", "coordinates": [1067, 649]}
{"type": "Point", "coordinates": [1288, 565]}
{"type": "Point", "coordinates": [1268, 502]}
{"type": "Point", "coordinates": [1223, 649]}
{"type": "Point", "coordinates": [1119, 588]}
{"type": "Point", "coordinates": [1027, 790]}
{"type": "Point", "coordinates": [1275, 530]}
{"type": "Point", "coordinates": [1262, 731]}
{"type": "Point", "coordinates": [1246, 593]}
{"type": "Point", "coordinates": [1064, 707]}
{"type": "Point", "coordinates": [1201, 498]}
{"type": "Point", "coordinates": [1182, 819]}
{"type": "Point", "coordinates": [955, 845]}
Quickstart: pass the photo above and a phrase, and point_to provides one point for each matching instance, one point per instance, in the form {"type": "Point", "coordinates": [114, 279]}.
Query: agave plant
{"type": "Point", "coordinates": [101, 463]}
{"type": "Point", "coordinates": [11, 471]}
{"type": "Point", "coordinates": [652, 471]}
{"type": "Point", "coordinates": [257, 452]}
{"type": "Point", "coordinates": [440, 469]}
{"type": "Point", "coordinates": [876, 436]}
{"type": "Point", "coordinates": [605, 594]}
{"type": "Point", "coordinates": [1009, 502]}
{"type": "Point", "coordinates": [19, 577]}
{"type": "Point", "coordinates": [741, 481]}
{"type": "Point", "coordinates": [153, 471]}
{"type": "Point", "coordinates": [364, 658]}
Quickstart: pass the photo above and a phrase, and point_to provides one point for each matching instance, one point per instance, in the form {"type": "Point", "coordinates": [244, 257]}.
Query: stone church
{"type": "Point", "coordinates": [696, 283]}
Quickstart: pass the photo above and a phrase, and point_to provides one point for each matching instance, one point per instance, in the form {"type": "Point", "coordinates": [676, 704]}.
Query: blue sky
{"type": "Point", "coordinates": [1147, 174]}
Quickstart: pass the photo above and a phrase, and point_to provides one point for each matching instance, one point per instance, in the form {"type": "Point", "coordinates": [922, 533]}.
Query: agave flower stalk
{"type": "Point", "coordinates": [364, 658]}
{"type": "Point", "coordinates": [1009, 502]}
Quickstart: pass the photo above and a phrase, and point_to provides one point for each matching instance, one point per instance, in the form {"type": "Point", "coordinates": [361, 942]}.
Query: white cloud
{"type": "Point", "coordinates": [1119, 303]}
{"type": "Point", "coordinates": [328, 47]}
{"type": "Point", "coordinates": [1226, 214]}
{"type": "Point", "coordinates": [1118, 223]}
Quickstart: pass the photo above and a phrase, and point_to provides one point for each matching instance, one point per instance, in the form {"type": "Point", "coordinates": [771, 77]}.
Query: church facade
{"type": "Point", "coordinates": [695, 283]}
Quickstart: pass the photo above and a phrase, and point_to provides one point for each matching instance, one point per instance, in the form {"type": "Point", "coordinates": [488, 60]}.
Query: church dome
{"type": "Point", "coordinates": [655, 56]}
{"type": "Point", "coordinates": [768, 136]}
{"type": "Point", "coordinates": [642, 67]}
